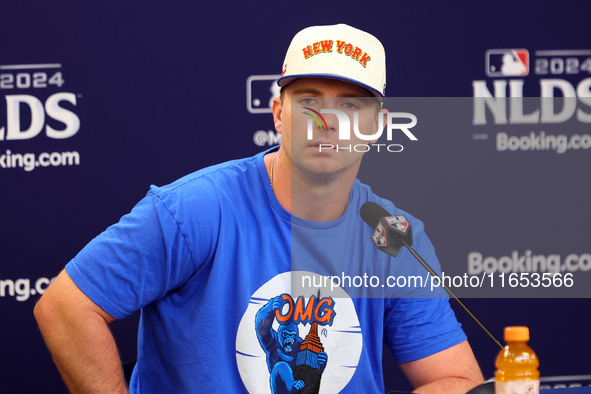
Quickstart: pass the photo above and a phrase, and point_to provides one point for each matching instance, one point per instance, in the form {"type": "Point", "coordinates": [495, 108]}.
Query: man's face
{"type": "Point", "coordinates": [305, 97]}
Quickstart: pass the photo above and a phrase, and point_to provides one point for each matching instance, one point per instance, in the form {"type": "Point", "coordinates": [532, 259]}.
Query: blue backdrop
{"type": "Point", "coordinates": [102, 100]}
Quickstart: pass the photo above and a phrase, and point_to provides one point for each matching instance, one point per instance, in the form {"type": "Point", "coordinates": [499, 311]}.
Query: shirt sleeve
{"type": "Point", "coordinates": [136, 261]}
{"type": "Point", "coordinates": [422, 323]}
{"type": "Point", "coordinates": [419, 327]}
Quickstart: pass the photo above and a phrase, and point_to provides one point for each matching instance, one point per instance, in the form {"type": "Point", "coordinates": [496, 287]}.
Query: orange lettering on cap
{"type": "Point", "coordinates": [356, 53]}
{"type": "Point", "coordinates": [364, 59]}
{"type": "Point", "coordinates": [343, 47]}
{"type": "Point", "coordinates": [348, 49]}
{"type": "Point", "coordinates": [326, 45]}
{"type": "Point", "coordinates": [316, 47]}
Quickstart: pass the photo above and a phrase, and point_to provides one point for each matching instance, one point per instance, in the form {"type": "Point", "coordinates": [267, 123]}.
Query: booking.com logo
{"type": "Point", "coordinates": [345, 130]}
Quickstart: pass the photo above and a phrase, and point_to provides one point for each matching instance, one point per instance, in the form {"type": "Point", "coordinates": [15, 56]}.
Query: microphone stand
{"type": "Point", "coordinates": [433, 273]}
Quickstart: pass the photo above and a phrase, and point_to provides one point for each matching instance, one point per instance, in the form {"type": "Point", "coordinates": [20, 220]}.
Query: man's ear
{"type": "Point", "coordinates": [277, 110]}
{"type": "Point", "coordinates": [381, 118]}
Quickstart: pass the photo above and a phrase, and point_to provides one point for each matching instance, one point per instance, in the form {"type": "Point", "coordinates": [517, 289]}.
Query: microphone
{"type": "Point", "coordinates": [391, 233]}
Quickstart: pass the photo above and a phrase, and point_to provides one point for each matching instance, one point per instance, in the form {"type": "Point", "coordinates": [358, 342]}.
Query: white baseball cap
{"type": "Point", "coordinates": [336, 51]}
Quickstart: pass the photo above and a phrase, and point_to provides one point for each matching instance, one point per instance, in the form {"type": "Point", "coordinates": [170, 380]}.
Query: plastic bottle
{"type": "Point", "coordinates": [517, 365]}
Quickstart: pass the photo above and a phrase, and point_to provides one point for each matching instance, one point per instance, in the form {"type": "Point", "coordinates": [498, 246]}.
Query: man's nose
{"type": "Point", "coordinates": [332, 122]}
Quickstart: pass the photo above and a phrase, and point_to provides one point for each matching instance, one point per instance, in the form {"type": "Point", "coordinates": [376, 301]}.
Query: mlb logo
{"type": "Point", "coordinates": [398, 222]}
{"type": "Point", "coordinates": [260, 91]}
{"type": "Point", "coordinates": [379, 235]}
{"type": "Point", "coordinates": [507, 62]}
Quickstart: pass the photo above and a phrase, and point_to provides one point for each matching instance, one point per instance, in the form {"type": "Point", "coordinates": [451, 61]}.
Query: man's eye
{"type": "Point", "coordinates": [307, 100]}
{"type": "Point", "coordinates": [351, 106]}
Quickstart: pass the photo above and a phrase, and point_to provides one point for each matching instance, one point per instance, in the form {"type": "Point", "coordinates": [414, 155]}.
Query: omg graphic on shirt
{"type": "Point", "coordinates": [297, 343]}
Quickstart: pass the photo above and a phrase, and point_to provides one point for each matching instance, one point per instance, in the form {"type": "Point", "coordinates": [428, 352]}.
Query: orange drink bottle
{"type": "Point", "coordinates": [517, 364]}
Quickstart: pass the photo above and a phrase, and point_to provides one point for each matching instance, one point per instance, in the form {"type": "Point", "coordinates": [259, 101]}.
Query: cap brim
{"type": "Point", "coordinates": [283, 81]}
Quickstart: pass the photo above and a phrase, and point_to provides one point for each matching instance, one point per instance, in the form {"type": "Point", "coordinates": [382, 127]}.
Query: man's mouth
{"type": "Point", "coordinates": [322, 145]}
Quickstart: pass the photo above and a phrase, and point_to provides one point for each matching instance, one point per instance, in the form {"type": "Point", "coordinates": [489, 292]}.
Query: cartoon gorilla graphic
{"type": "Point", "coordinates": [281, 348]}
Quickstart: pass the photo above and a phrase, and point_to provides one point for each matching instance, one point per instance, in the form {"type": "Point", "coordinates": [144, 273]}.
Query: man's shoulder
{"type": "Point", "coordinates": [367, 194]}
{"type": "Point", "coordinates": [233, 172]}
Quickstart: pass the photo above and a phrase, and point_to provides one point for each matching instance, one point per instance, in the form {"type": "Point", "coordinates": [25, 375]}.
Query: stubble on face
{"type": "Point", "coordinates": [324, 155]}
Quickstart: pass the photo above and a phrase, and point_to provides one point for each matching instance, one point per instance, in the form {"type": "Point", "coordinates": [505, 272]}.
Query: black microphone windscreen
{"type": "Point", "coordinates": [371, 213]}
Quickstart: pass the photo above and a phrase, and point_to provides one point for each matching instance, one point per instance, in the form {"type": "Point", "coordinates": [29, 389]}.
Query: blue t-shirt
{"type": "Point", "coordinates": [236, 295]}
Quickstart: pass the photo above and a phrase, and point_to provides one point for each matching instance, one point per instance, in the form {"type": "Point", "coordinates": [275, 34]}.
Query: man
{"type": "Point", "coordinates": [209, 260]}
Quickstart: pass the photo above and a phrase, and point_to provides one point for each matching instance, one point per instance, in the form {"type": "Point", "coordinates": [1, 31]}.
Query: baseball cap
{"type": "Point", "coordinates": [336, 51]}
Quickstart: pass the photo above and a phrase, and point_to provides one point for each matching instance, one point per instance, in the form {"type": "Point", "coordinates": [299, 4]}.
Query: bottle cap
{"type": "Point", "coordinates": [516, 333]}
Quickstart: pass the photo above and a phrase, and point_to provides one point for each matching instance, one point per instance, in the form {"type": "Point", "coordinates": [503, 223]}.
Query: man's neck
{"type": "Point", "coordinates": [320, 198]}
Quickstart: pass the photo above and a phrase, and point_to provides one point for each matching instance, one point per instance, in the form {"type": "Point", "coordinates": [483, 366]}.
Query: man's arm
{"type": "Point", "coordinates": [453, 370]}
{"type": "Point", "coordinates": [76, 332]}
